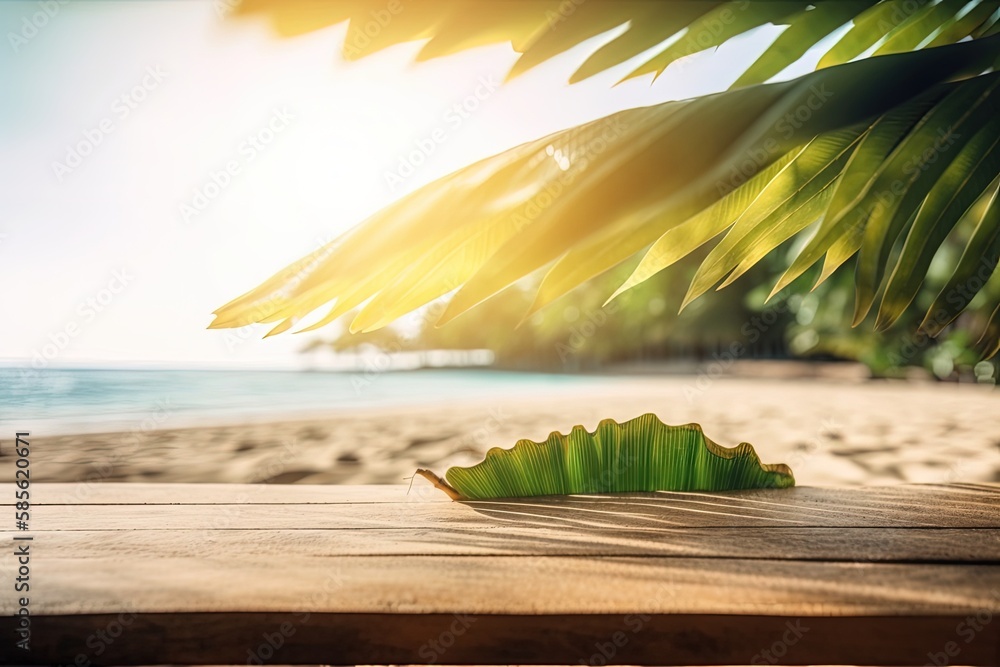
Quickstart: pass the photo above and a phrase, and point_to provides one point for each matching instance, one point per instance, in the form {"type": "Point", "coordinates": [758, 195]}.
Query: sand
{"type": "Point", "coordinates": [840, 431]}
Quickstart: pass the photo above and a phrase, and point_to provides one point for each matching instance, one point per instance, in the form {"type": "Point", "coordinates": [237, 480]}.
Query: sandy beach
{"type": "Point", "coordinates": [830, 431]}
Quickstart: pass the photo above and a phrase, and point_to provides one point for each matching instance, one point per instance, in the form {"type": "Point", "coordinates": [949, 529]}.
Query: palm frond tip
{"type": "Point", "coordinates": [669, 30]}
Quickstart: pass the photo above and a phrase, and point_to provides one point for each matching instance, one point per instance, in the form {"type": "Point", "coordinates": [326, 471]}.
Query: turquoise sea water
{"type": "Point", "coordinates": [74, 400]}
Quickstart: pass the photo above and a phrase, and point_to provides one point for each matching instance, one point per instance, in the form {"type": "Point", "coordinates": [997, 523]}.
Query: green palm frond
{"type": "Point", "coordinates": [669, 30]}
{"type": "Point", "coordinates": [642, 454]}
{"type": "Point", "coordinates": [882, 158]}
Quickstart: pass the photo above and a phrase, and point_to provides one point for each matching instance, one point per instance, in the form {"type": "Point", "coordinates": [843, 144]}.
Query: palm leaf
{"type": "Point", "coordinates": [642, 454]}
{"type": "Point", "coordinates": [643, 33]}
{"type": "Point", "coordinates": [596, 199]}
{"type": "Point", "coordinates": [894, 194]}
{"type": "Point", "coordinates": [839, 235]}
{"type": "Point", "coordinates": [988, 27]}
{"type": "Point", "coordinates": [809, 208]}
{"type": "Point", "coordinates": [591, 197]}
{"type": "Point", "coordinates": [963, 24]}
{"type": "Point", "coordinates": [965, 179]}
{"type": "Point", "coordinates": [684, 238]}
{"type": "Point", "coordinates": [920, 25]}
{"type": "Point", "coordinates": [542, 29]}
{"type": "Point", "coordinates": [978, 262]}
{"type": "Point", "coordinates": [804, 31]}
{"type": "Point", "coordinates": [587, 20]}
{"type": "Point", "coordinates": [866, 30]}
{"type": "Point", "coordinates": [716, 28]}
{"type": "Point", "coordinates": [805, 178]}
{"type": "Point", "coordinates": [572, 220]}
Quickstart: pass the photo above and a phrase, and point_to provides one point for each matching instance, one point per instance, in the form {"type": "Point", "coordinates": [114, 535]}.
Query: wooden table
{"type": "Point", "coordinates": [165, 573]}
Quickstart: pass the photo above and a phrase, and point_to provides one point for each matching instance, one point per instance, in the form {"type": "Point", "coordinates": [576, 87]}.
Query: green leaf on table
{"type": "Point", "coordinates": [642, 454]}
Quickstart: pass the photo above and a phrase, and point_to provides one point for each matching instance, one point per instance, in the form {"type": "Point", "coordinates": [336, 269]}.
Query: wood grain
{"type": "Point", "coordinates": [226, 582]}
{"type": "Point", "coordinates": [191, 574]}
{"type": "Point", "coordinates": [98, 493]}
{"type": "Point", "coordinates": [898, 545]}
{"type": "Point", "coordinates": [800, 506]}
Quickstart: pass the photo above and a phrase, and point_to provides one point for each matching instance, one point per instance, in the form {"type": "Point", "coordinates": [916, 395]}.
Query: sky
{"type": "Point", "coordinates": [159, 159]}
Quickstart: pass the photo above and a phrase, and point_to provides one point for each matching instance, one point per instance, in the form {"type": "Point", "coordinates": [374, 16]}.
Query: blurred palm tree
{"type": "Point", "coordinates": [884, 156]}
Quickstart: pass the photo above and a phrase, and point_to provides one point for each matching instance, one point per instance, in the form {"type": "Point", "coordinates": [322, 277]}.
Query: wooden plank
{"type": "Point", "coordinates": [583, 512]}
{"type": "Point", "coordinates": [218, 582]}
{"type": "Point", "coordinates": [98, 493]}
{"type": "Point", "coordinates": [899, 545]}
{"type": "Point", "coordinates": [103, 493]}
{"type": "Point", "coordinates": [556, 610]}
{"type": "Point", "coordinates": [203, 575]}
{"type": "Point", "coordinates": [591, 639]}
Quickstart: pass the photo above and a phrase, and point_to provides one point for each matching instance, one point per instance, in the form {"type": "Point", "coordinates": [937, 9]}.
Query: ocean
{"type": "Point", "coordinates": [93, 400]}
